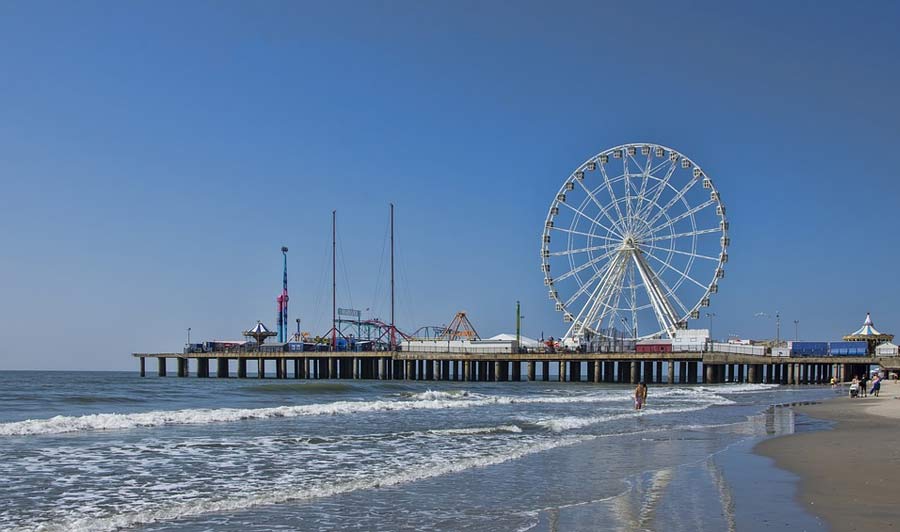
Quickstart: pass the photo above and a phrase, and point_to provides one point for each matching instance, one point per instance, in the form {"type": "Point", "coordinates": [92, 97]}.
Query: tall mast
{"type": "Point", "coordinates": [282, 333]}
{"type": "Point", "coordinates": [333, 280]}
{"type": "Point", "coordinates": [393, 329]}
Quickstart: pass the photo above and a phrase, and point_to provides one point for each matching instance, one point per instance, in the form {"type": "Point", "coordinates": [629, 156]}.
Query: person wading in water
{"type": "Point", "coordinates": [640, 396]}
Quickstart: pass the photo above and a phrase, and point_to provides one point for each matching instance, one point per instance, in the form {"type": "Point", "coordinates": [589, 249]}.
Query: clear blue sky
{"type": "Point", "coordinates": [154, 157]}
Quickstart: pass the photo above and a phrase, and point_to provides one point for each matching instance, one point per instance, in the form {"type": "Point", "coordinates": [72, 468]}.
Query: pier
{"type": "Point", "coordinates": [622, 368]}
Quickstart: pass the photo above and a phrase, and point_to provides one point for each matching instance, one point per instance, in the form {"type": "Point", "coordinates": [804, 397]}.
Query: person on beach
{"type": "Point", "coordinates": [863, 383]}
{"type": "Point", "coordinates": [833, 382]}
{"type": "Point", "coordinates": [854, 387]}
{"type": "Point", "coordinates": [876, 385]}
{"type": "Point", "coordinates": [640, 396]}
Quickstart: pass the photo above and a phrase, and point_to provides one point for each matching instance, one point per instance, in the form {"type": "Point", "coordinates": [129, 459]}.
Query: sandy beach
{"type": "Point", "coordinates": [848, 474]}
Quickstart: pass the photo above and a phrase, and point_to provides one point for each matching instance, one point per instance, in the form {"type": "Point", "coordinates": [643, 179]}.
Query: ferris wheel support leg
{"type": "Point", "coordinates": [661, 306]}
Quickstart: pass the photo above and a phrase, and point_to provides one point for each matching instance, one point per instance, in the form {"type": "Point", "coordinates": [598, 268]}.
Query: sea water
{"type": "Point", "coordinates": [95, 451]}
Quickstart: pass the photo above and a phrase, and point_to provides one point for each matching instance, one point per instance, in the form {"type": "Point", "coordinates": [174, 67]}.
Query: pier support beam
{"type": "Point", "coordinates": [596, 371]}
{"type": "Point", "coordinates": [531, 370]}
{"type": "Point", "coordinates": [635, 371]}
{"type": "Point", "coordinates": [692, 372]}
{"type": "Point", "coordinates": [671, 375]}
{"type": "Point", "coordinates": [143, 367]}
{"type": "Point", "coordinates": [203, 367]}
{"type": "Point", "coordinates": [545, 370]}
{"type": "Point", "coordinates": [516, 371]}
{"type": "Point", "coordinates": [683, 372]}
{"type": "Point", "coordinates": [242, 368]}
{"type": "Point", "coordinates": [182, 367]}
{"type": "Point", "coordinates": [221, 368]}
{"type": "Point", "coordinates": [710, 373]}
{"type": "Point", "coordinates": [161, 366]}
{"type": "Point", "coordinates": [260, 368]}
{"type": "Point", "coordinates": [562, 371]}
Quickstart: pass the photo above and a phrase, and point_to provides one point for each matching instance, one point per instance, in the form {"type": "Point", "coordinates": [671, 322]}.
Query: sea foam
{"type": "Point", "coordinates": [116, 421]}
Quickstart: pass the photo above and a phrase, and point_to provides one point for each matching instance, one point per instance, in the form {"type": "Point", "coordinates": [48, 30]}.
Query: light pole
{"type": "Point", "coordinates": [777, 328]}
{"type": "Point", "coordinates": [625, 324]}
{"type": "Point", "coordinates": [710, 315]}
{"type": "Point", "coordinates": [796, 330]}
{"type": "Point", "coordinates": [189, 336]}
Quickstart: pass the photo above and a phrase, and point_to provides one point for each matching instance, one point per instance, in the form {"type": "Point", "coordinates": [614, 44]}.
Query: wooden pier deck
{"type": "Point", "coordinates": [670, 368]}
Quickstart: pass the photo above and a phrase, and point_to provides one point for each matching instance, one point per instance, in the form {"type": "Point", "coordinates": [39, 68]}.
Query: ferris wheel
{"type": "Point", "coordinates": [634, 244]}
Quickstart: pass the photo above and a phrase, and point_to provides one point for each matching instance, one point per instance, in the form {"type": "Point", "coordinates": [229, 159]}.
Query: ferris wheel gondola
{"type": "Point", "coordinates": [634, 243]}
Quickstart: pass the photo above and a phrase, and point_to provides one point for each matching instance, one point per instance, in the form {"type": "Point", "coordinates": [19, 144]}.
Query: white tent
{"type": "Point", "coordinates": [524, 341]}
{"type": "Point", "coordinates": [886, 349]}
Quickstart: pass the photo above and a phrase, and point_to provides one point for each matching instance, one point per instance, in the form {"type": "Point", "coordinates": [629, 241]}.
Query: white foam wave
{"type": "Point", "coordinates": [740, 388]}
{"type": "Point", "coordinates": [293, 493]}
{"type": "Point", "coordinates": [477, 430]}
{"type": "Point", "coordinates": [432, 395]}
{"type": "Point", "coordinates": [114, 421]}
{"type": "Point", "coordinates": [565, 423]}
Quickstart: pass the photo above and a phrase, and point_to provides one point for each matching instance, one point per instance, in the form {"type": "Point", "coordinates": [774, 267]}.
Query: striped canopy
{"type": "Point", "coordinates": [868, 329]}
{"type": "Point", "coordinates": [259, 328]}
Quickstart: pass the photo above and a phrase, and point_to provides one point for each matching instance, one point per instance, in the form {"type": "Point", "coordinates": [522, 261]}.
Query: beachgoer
{"type": "Point", "coordinates": [876, 385]}
{"type": "Point", "coordinates": [639, 397]}
{"type": "Point", "coordinates": [833, 382]}
{"type": "Point", "coordinates": [863, 383]}
{"type": "Point", "coordinates": [644, 394]}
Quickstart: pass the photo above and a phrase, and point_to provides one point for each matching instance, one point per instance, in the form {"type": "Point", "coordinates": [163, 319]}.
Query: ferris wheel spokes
{"type": "Point", "coordinates": [583, 250]}
{"type": "Point", "coordinates": [682, 235]}
{"type": "Point", "coordinates": [601, 293]}
{"type": "Point", "coordinates": [592, 220]}
{"type": "Point", "coordinates": [669, 250]}
{"type": "Point", "coordinates": [583, 267]}
{"type": "Point", "coordinates": [603, 211]}
{"type": "Point", "coordinates": [679, 272]}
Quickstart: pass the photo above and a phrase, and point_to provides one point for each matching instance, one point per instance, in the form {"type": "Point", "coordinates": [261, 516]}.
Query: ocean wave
{"type": "Point", "coordinates": [429, 400]}
{"type": "Point", "coordinates": [740, 388]}
{"type": "Point", "coordinates": [284, 494]}
{"type": "Point", "coordinates": [515, 429]}
{"type": "Point", "coordinates": [115, 421]}
{"type": "Point", "coordinates": [432, 395]}
{"type": "Point", "coordinates": [564, 423]}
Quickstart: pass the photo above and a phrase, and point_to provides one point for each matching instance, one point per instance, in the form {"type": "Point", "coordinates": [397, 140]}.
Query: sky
{"type": "Point", "coordinates": [155, 156]}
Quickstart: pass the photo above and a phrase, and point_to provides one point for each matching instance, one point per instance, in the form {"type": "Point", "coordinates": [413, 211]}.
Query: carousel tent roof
{"type": "Point", "coordinates": [868, 333]}
{"type": "Point", "coordinates": [259, 328]}
{"type": "Point", "coordinates": [868, 329]}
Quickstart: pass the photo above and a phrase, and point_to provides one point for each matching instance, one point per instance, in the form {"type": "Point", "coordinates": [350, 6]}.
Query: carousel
{"type": "Point", "coordinates": [259, 332]}
{"type": "Point", "coordinates": [868, 333]}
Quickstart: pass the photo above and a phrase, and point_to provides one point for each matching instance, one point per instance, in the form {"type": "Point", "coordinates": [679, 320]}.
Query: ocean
{"type": "Point", "coordinates": [97, 451]}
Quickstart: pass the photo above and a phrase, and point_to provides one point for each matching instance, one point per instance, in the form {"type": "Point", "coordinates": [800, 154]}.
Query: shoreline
{"type": "Point", "coordinates": [845, 471]}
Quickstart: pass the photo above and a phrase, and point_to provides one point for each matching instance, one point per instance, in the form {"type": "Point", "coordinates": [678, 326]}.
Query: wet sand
{"type": "Point", "coordinates": [849, 475]}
